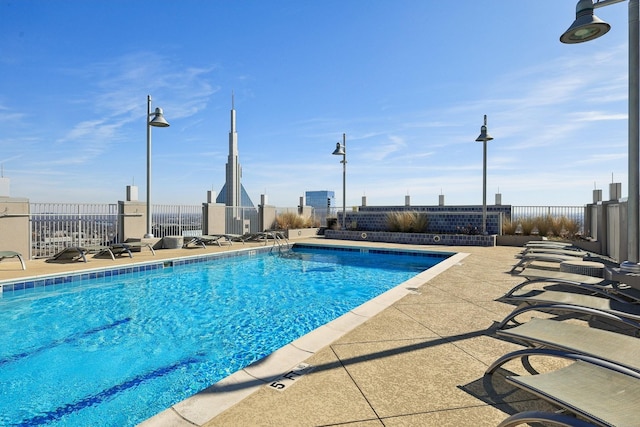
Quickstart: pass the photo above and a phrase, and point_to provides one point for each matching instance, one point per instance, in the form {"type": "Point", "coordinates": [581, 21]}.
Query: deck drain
{"type": "Point", "coordinates": [285, 380]}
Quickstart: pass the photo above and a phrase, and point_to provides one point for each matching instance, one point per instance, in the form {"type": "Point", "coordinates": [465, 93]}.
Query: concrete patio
{"type": "Point", "coordinates": [418, 362]}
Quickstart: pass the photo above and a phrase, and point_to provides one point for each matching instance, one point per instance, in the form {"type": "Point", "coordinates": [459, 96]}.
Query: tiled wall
{"type": "Point", "coordinates": [442, 219]}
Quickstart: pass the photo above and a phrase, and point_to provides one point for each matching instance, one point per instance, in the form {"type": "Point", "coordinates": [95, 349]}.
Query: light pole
{"type": "Point", "coordinates": [341, 150]}
{"type": "Point", "coordinates": [157, 121]}
{"type": "Point", "coordinates": [484, 137]}
{"type": "Point", "coordinates": [587, 27]}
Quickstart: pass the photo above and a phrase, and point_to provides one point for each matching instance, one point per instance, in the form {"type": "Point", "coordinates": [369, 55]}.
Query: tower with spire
{"type": "Point", "coordinates": [233, 192]}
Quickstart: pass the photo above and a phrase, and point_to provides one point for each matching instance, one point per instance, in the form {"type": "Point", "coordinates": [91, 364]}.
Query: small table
{"type": "Point", "coordinates": [172, 242]}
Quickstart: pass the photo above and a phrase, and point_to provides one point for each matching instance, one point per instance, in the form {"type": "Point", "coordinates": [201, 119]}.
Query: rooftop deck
{"type": "Point", "coordinates": [419, 361]}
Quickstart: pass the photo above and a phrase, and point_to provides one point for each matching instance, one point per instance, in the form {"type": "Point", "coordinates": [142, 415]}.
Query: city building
{"type": "Point", "coordinates": [232, 192]}
{"type": "Point", "coordinates": [325, 200]}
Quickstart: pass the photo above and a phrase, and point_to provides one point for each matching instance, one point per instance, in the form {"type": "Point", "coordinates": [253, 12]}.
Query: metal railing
{"type": "Point", "coordinates": [55, 226]}
{"type": "Point", "coordinates": [574, 213]}
{"type": "Point", "coordinates": [176, 220]}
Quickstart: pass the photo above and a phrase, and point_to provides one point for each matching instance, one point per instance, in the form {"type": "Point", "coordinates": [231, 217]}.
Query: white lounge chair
{"type": "Point", "coordinates": [548, 244]}
{"type": "Point", "coordinates": [13, 254]}
{"type": "Point", "coordinates": [556, 251]}
{"type": "Point", "coordinates": [526, 259]}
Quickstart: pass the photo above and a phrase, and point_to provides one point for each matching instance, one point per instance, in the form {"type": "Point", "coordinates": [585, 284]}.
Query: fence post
{"type": "Point", "coordinates": [132, 220]}
{"type": "Point", "coordinates": [267, 216]}
{"type": "Point", "coordinates": [15, 230]}
{"type": "Point", "coordinates": [79, 236]}
{"type": "Point", "coordinates": [213, 218]}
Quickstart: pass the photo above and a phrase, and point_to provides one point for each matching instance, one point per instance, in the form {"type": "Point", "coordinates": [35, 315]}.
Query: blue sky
{"type": "Point", "coordinates": [408, 82]}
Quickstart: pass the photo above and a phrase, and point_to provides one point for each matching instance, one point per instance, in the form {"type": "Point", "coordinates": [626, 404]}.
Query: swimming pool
{"type": "Point", "coordinates": [117, 349]}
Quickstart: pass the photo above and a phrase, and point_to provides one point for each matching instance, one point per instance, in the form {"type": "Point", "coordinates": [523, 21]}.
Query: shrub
{"type": "Point", "coordinates": [567, 228]}
{"type": "Point", "coordinates": [547, 226]}
{"type": "Point", "coordinates": [289, 220]}
{"type": "Point", "coordinates": [509, 227]}
{"type": "Point", "coordinates": [407, 222]}
{"type": "Point", "coordinates": [527, 225]}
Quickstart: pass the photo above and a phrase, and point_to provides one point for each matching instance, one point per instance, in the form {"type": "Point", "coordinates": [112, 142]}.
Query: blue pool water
{"type": "Point", "coordinates": [114, 351]}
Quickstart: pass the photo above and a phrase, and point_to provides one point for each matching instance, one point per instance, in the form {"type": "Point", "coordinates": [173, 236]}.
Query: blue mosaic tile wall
{"type": "Point", "coordinates": [442, 219]}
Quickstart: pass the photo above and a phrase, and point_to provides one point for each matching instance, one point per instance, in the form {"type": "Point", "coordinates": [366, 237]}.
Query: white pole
{"type": "Point", "coordinates": [149, 234]}
{"type": "Point", "coordinates": [633, 218]}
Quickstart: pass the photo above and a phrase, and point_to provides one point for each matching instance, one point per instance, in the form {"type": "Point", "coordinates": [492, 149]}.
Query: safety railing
{"type": "Point", "coordinates": [176, 220]}
{"type": "Point", "coordinates": [55, 226]}
{"type": "Point", "coordinates": [574, 213]}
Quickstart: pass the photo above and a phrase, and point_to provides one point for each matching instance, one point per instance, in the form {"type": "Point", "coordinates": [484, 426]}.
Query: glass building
{"type": "Point", "coordinates": [320, 200]}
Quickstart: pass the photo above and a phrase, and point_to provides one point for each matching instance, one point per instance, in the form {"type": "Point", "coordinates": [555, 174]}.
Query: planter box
{"type": "Point", "coordinates": [301, 233]}
{"type": "Point", "coordinates": [412, 238]}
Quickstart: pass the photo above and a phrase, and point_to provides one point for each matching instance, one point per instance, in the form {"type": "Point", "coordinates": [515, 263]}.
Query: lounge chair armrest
{"type": "Point", "coordinates": [524, 354]}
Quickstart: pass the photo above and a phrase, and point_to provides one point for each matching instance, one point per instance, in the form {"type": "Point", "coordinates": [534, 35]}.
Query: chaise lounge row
{"type": "Point", "coordinates": [601, 385]}
{"type": "Point", "coordinates": [79, 253]}
{"type": "Point", "coordinates": [228, 239]}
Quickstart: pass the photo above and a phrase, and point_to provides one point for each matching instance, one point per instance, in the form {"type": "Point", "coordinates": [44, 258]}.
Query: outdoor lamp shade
{"type": "Point", "coordinates": [484, 135]}
{"type": "Point", "coordinates": [158, 119]}
{"type": "Point", "coordinates": [586, 27]}
{"type": "Point", "coordinates": [339, 151]}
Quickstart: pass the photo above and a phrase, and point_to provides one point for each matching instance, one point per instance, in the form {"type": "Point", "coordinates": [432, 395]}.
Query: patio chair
{"type": "Point", "coordinates": [125, 247]}
{"type": "Point", "coordinates": [111, 250]}
{"type": "Point", "coordinates": [596, 285]}
{"type": "Point", "coordinates": [602, 396]}
{"type": "Point", "coordinates": [548, 243]}
{"type": "Point", "coordinates": [210, 239]}
{"type": "Point", "coordinates": [13, 254]}
{"type": "Point", "coordinates": [556, 251]}
{"type": "Point", "coordinates": [547, 337]}
{"type": "Point", "coordinates": [526, 259]}
{"type": "Point", "coordinates": [70, 253]}
{"type": "Point", "coordinates": [264, 236]}
{"type": "Point", "coordinates": [550, 301]}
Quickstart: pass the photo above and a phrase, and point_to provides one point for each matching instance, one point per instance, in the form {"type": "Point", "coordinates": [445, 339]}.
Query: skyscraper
{"type": "Point", "coordinates": [232, 192]}
{"type": "Point", "coordinates": [323, 200]}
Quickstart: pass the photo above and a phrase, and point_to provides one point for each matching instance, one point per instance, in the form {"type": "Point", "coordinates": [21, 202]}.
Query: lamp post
{"type": "Point", "coordinates": [341, 150]}
{"type": "Point", "coordinates": [484, 137]}
{"type": "Point", "coordinates": [587, 27]}
{"type": "Point", "coordinates": [157, 121]}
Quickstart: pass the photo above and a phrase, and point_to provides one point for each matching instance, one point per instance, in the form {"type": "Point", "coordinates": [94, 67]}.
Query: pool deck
{"type": "Point", "coordinates": [415, 356]}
